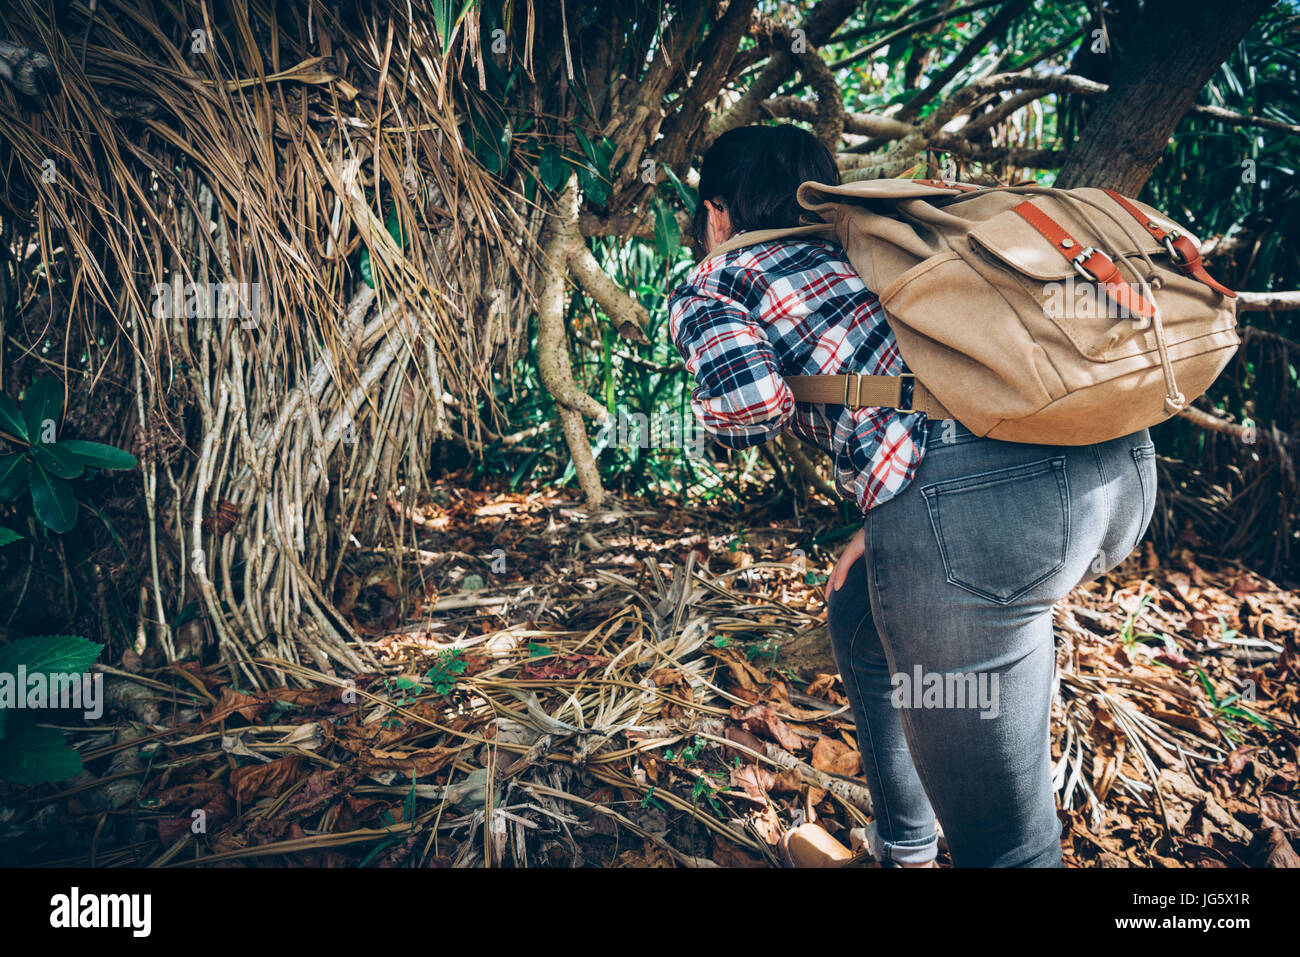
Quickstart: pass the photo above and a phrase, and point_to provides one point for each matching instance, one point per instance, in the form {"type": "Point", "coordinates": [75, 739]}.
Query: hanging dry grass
{"type": "Point", "coordinates": [266, 146]}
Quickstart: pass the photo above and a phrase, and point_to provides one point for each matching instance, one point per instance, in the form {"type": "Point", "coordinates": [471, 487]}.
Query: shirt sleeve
{"type": "Point", "coordinates": [740, 397]}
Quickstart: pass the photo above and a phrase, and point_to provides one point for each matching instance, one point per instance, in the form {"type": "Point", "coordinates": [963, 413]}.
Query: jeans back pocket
{"type": "Point", "coordinates": [1001, 533]}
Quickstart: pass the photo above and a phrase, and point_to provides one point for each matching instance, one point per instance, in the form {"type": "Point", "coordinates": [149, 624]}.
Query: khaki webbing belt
{"type": "Point", "coordinates": [858, 391]}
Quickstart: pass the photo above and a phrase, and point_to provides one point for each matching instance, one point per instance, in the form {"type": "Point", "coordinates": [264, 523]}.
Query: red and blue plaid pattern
{"type": "Point", "coordinates": [746, 318]}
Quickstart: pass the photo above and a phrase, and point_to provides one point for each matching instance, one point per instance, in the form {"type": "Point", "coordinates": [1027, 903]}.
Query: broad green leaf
{"type": "Point", "coordinates": [42, 405]}
{"type": "Point", "coordinates": [30, 754]}
{"type": "Point", "coordinates": [8, 536]}
{"type": "Point", "coordinates": [592, 185]}
{"type": "Point", "coordinates": [57, 460]}
{"type": "Point", "coordinates": [586, 145]}
{"type": "Point", "coordinates": [11, 420]}
{"type": "Point", "coordinates": [97, 455]}
{"type": "Point", "coordinates": [668, 235]}
{"type": "Point", "coordinates": [50, 654]}
{"type": "Point", "coordinates": [53, 501]}
{"type": "Point", "coordinates": [13, 474]}
{"type": "Point", "coordinates": [553, 169]}
{"type": "Point", "coordinates": [490, 140]}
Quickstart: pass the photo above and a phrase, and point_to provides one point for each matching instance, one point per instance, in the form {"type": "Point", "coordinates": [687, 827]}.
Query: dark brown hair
{"type": "Point", "coordinates": [754, 171]}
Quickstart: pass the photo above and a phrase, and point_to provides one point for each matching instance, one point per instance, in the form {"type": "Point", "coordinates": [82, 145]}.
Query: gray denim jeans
{"type": "Point", "coordinates": [943, 635]}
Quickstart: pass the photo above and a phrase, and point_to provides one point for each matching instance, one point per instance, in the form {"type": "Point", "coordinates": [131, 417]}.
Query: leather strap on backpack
{"type": "Point", "coordinates": [1181, 249]}
{"type": "Point", "coordinates": [860, 391]}
{"type": "Point", "coordinates": [1091, 263]}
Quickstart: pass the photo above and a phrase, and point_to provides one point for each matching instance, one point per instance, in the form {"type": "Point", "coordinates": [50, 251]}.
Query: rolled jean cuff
{"type": "Point", "coordinates": [907, 852]}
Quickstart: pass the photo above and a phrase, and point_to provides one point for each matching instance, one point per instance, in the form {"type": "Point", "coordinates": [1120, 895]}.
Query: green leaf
{"type": "Point", "coordinates": [592, 185]}
{"type": "Point", "coordinates": [668, 236]}
{"type": "Point", "coordinates": [1205, 681]}
{"type": "Point", "coordinates": [366, 267]}
{"type": "Point", "coordinates": [367, 273]}
{"type": "Point", "coordinates": [394, 226]}
{"type": "Point", "coordinates": [445, 18]}
{"type": "Point", "coordinates": [489, 137]}
{"type": "Point", "coordinates": [34, 755]}
{"type": "Point", "coordinates": [42, 404]}
{"type": "Point", "coordinates": [11, 419]}
{"type": "Point", "coordinates": [8, 536]}
{"type": "Point", "coordinates": [56, 460]}
{"type": "Point", "coordinates": [688, 196]}
{"type": "Point", "coordinates": [53, 501]}
{"type": "Point", "coordinates": [99, 456]}
{"type": "Point", "coordinates": [50, 654]}
{"type": "Point", "coordinates": [13, 474]}
{"type": "Point", "coordinates": [599, 155]}
{"type": "Point", "coordinates": [553, 169]}
{"type": "Point", "coordinates": [586, 145]}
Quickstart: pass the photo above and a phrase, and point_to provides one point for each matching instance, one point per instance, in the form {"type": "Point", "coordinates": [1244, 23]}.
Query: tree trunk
{"type": "Point", "coordinates": [1154, 87]}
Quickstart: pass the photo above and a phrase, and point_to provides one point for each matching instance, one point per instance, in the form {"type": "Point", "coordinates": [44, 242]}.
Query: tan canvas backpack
{"type": "Point", "coordinates": [1028, 314]}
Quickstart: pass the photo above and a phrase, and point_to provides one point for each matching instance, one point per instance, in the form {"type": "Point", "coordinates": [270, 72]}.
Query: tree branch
{"type": "Point", "coordinates": [1266, 301]}
{"type": "Point", "coordinates": [992, 29]}
{"type": "Point", "coordinates": [820, 23]}
{"type": "Point", "coordinates": [552, 339]}
{"type": "Point", "coordinates": [629, 317]}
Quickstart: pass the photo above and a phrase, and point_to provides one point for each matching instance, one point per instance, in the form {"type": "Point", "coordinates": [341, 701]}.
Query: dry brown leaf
{"type": "Point", "coordinates": [762, 720]}
{"type": "Point", "coordinates": [755, 780]}
{"type": "Point", "coordinates": [836, 757]}
{"type": "Point", "coordinates": [265, 780]}
{"type": "Point", "coordinates": [420, 763]}
{"type": "Point", "coordinates": [249, 707]}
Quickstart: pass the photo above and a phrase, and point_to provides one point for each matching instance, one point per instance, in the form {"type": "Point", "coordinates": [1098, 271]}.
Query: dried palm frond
{"type": "Point", "coordinates": [272, 148]}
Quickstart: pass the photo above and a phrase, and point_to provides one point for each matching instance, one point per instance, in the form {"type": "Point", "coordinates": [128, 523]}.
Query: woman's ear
{"type": "Point", "coordinates": [719, 223]}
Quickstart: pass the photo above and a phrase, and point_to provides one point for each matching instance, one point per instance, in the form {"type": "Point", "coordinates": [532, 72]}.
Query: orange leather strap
{"type": "Point", "coordinates": [1091, 263]}
{"type": "Point", "coordinates": [1184, 252]}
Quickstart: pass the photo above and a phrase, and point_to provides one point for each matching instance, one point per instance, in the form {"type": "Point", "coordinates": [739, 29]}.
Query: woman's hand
{"type": "Point", "coordinates": [854, 550]}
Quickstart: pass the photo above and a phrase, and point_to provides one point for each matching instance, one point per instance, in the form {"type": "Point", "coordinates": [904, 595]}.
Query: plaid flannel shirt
{"type": "Point", "coordinates": [744, 319]}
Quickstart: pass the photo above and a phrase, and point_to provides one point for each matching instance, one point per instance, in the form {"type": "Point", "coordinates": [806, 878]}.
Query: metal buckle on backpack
{"type": "Point", "coordinates": [852, 379]}
{"type": "Point", "coordinates": [1086, 253]}
{"type": "Point", "coordinates": [1174, 254]}
{"type": "Point", "coordinates": [912, 376]}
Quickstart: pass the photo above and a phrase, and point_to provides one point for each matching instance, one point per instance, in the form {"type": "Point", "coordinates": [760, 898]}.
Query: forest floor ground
{"type": "Point", "coordinates": [652, 687]}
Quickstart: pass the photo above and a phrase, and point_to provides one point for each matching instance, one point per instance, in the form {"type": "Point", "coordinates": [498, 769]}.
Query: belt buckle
{"type": "Point", "coordinates": [852, 379]}
{"type": "Point", "coordinates": [912, 376]}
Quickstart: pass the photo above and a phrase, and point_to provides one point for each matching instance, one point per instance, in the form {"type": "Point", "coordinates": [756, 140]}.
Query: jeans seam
{"type": "Point", "coordinates": [917, 761]}
{"type": "Point", "coordinates": [1105, 493]}
{"type": "Point", "coordinates": [866, 719]}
